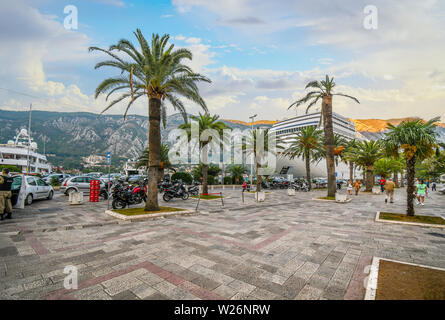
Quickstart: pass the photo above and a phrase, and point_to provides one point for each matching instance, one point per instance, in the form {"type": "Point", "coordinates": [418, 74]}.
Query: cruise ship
{"type": "Point", "coordinates": [285, 130]}
{"type": "Point", "coordinates": [16, 153]}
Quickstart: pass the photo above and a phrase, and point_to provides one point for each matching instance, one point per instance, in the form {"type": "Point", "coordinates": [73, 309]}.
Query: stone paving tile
{"type": "Point", "coordinates": [286, 247]}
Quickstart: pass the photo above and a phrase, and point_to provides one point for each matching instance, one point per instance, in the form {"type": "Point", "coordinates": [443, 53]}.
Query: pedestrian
{"type": "Point", "coordinates": [382, 184]}
{"type": "Point", "coordinates": [433, 186]}
{"type": "Point", "coordinates": [356, 186]}
{"type": "Point", "coordinates": [5, 195]}
{"type": "Point", "coordinates": [349, 187]}
{"type": "Point", "coordinates": [389, 190]}
{"type": "Point", "coordinates": [422, 190]}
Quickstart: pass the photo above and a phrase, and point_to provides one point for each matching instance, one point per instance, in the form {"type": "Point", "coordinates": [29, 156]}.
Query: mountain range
{"type": "Point", "coordinates": [69, 136]}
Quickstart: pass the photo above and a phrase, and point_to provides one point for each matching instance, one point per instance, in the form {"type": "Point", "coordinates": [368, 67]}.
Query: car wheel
{"type": "Point", "coordinates": [28, 199]}
{"type": "Point", "coordinates": [69, 191]}
{"type": "Point", "coordinates": [50, 195]}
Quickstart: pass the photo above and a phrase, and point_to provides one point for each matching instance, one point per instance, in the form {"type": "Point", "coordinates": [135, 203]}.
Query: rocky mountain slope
{"type": "Point", "coordinates": [71, 136]}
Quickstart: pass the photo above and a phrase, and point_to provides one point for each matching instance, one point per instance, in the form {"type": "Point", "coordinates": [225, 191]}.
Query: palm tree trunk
{"type": "Point", "coordinates": [329, 144]}
{"type": "Point", "coordinates": [160, 174]}
{"type": "Point", "coordinates": [154, 147]}
{"type": "Point", "coordinates": [308, 169]}
{"type": "Point", "coordinates": [410, 174]}
{"type": "Point", "coordinates": [258, 178]}
{"type": "Point", "coordinates": [205, 169]}
{"type": "Point", "coordinates": [351, 171]}
{"type": "Point", "coordinates": [402, 179]}
{"type": "Point", "coordinates": [369, 178]}
{"type": "Point", "coordinates": [396, 179]}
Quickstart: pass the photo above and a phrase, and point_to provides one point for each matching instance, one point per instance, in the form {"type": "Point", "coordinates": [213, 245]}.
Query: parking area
{"type": "Point", "coordinates": [288, 247]}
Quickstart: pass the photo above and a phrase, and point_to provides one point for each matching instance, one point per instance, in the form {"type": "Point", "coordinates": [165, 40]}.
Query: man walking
{"type": "Point", "coordinates": [389, 190]}
{"type": "Point", "coordinates": [5, 194]}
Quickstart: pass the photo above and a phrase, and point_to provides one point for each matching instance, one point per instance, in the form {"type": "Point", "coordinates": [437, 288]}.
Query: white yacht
{"type": "Point", "coordinates": [286, 129]}
{"type": "Point", "coordinates": [23, 151]}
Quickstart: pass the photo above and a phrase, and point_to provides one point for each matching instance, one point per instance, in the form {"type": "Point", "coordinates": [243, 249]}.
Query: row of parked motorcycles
{"type": "Point", "coordinates": [298, 185]}
{"type": "Point", "coordinates": [124, 194]}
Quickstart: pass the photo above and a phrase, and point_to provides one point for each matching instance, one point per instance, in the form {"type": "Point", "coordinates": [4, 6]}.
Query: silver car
{"type": "Point", "coordinates": [81, 184]}
{"type": "Point", "coordinates": [34, 188]}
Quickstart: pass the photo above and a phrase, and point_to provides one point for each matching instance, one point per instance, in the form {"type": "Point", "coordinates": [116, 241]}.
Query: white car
{"type": "Point", "coordinates": [35, 188]}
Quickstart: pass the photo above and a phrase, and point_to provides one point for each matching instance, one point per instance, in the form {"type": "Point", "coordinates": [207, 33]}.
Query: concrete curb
{"type": "Point", "coordinates": [425, 225]}
{"type": "Point", "coordinates": [149, 216]}
{"type": "Point", "coordinates": [326, 200]}
{"type": "Point", "coordinates": [371, 287]}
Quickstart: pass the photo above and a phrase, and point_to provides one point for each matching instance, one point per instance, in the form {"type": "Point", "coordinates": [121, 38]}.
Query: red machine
{"type": "Point", "coordinates": [94, 190]}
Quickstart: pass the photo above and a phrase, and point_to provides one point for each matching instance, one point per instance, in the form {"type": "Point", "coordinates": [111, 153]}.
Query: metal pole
{"type": "Point", "coordinates": [253, 155]}
{"type": "Point", "coordinates": [109, 186]}
{"type": "Point", "coordinates": [29, 139]}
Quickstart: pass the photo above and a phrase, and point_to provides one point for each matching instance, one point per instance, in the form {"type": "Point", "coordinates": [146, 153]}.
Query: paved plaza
{"type": "Point", "coordinates": [288, 247]}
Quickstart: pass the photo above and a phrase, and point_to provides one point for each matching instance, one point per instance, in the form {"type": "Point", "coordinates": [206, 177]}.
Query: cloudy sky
{"type": "Point", "coordinates": [259, 54]}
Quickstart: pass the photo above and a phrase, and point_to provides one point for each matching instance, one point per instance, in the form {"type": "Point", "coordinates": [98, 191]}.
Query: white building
{"type": "Point", "coordinates": [285, 131]}
{"type": "Point", "coordinates": [17, 153]}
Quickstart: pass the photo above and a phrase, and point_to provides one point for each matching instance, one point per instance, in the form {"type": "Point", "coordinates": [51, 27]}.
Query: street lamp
{"type": "Point", "coordinates": [253, 149]}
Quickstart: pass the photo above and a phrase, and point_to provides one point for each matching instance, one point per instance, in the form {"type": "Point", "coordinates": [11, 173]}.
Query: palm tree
{"type": "Point", "coordinates": [366, 154]}
{"type": "Point", "coordinates": [324, 91]}
{"type": "Point", "coordinates": [350, 145]}
{"type": "Point", "coordinates": [417, 141]}
{"type": "Point", "coordinates": [143, 160]}
{"type": "Point", "coordinates": [205, 122]}
{"type": "Point", "coordinates": [250, 147]}
{"type": "Point", "coordinates": [306, 144]}
{"type": "Point", "coordinates": [158, 73]}
{"type": "Point", "coordinates": [237, 172]}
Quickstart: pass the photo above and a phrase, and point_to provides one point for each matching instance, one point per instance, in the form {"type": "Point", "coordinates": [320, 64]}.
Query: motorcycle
{"type": "Point", "coordinates": [193, 190]}
{"type": "Point", "coordinates": [124, 196]}
{"type": "Point", "coordinates": [178, 190]}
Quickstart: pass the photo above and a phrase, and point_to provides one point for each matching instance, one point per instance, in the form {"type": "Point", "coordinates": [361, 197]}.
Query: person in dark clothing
{"type": "Point", "coordinates": [5, 194]}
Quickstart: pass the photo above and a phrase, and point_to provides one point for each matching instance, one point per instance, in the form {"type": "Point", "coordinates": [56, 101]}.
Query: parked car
{"type": "Point", "coordinates": [60, 176]}
{"type": "Point", "coordinates": [35, 188]}
{"type": "Point", "coordinates": [136, 178]}
{"type": "Point", "coordinates": [82, 184]}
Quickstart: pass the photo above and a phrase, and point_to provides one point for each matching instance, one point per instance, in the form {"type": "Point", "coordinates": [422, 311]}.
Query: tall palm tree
{"type": "Point", "coordinates": [324, 91]}
{"type": "Point", "coordinates": [157, 72]}
{"type": "Point", "coordinates": [417, 141]}
{"type": "Point", "coordinates": [205, 121]}
{"type": "Point", "coordinates": [250, 147]}
{"type": "Point", "coordinates": [144, 158]}
{"type": "Point", "coordinates": [306, 144]}
{"type": "Point", "coordinates": [366, 154]}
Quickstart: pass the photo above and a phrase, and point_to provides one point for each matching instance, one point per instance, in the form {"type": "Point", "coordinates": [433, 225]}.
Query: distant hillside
{"type": "Point", "coordinates": [71, 136]}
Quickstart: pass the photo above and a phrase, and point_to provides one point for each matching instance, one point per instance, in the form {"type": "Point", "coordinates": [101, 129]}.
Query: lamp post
{"type": "Point", "coordinates": [253, 149]}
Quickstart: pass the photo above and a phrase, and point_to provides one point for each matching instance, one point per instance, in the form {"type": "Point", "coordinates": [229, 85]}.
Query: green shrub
{"type": "Point", "coordinates": [184, 176]}
{"type": "Point", "coordinates": [11, 168]}
{"type": "Point", "coordinates": [55, 181]}
{"type": "Point", "coordinates": [210, 179]}
{"type": "Point", "coordinates": [227, 180]}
